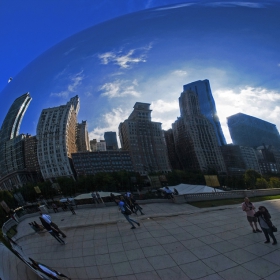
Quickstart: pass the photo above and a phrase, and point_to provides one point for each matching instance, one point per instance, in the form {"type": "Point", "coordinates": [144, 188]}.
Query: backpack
{"type": "Point", "coordinates": [127, 210]}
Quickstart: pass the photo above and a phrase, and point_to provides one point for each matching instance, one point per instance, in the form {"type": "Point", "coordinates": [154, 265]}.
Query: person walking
{"type": "Point", "coordinates": [70, 206]}
{"type": "Point", "coordinates": [52, 231]}
{"type": "Point", "coordinates": [48, 220]}
{"type": "Point", "coordinates": [249, 208]}
{"type": "Point", "coordinates": [136, 206]}
{"type": "Point", "coordinates": [94, 198]}
{"type": "Point", "coordinates": [55, 209]}
{"type": "Point", "coordinates": [99, 198]}
{"type": "Point", "coordinates": [266, 224]}
{"type": "Point", "coordinates": [123, 207]}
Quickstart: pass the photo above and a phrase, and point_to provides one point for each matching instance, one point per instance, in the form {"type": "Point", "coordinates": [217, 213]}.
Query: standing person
{"type": "Point", "coordinates": [52, 231]}
{"type": "Point", "coordinates": [94, 198]}
{"type": "Point", "coordinates": [48, 220]}
{"type": "Point", "coordinates": [126, 212]}
{"type": "Point", "coordinates": [249, 208]}
{"type": "Point", "coordinates": [99, 198]}
{"type": "Point", "coordinates": [266, 224]}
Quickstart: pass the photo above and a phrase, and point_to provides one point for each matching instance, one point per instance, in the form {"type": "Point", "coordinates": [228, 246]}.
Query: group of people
{"type": "Point", "coordinates": [96, 198]}
{"type": "Point", "coordinates": [263, 217]}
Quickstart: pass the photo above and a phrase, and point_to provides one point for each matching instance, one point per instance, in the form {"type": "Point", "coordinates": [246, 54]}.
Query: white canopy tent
{"type": "Point", "coordinates": [88, 195]}
{"type": "Point", "coordinates": [188, 189]}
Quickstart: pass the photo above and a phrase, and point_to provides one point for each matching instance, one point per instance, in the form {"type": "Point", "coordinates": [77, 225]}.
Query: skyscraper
{"type": "Point", "coordinates": [56, 135]}
{"type": "Point", "coordinates": [194, 135]}
{"type": "Point", "coordinates": [82, 137]}
{"type": "Point", "coordinates": [249, 131]}
{"type": "Point", "coordinates": [111, 140]}
{"type": "Point", "coordinates": [13, 171]}
{"type": "Point", "coordinates": [207, 106]}
{"type": "Point", "coordinates": [145, 141]}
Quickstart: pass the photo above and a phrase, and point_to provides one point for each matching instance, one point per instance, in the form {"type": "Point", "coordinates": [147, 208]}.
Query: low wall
{"type": "Point", "coordinates": [224, 195]}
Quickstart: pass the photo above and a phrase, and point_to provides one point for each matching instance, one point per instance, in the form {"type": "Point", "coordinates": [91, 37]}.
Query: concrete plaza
{"type": "Point", "coordinates": [174, 241]}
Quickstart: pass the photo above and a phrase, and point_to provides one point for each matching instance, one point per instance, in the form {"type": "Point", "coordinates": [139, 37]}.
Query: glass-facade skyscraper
{"type": "Point", "coordinates": [111, 140]}
{"type": "Point", "coordinates": [249, 131]}
{"type": "Point", "coordinates": [207, 106]}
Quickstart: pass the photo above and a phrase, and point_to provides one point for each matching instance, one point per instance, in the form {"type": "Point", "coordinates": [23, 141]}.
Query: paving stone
{"type": "Point", "coordinates": [174, 247]}
{"type": "Point", "coordinates": [239, 273]}
{"type": "Point", "coordinates": [140, 265]}
{"type": "Point", "coordinates": [150, 275]}
{"type": "Point", "coordinates": [219, 263]}
{"type": "Point", "coordinates": [224, 246]}
{"type": "Point", "coordinates": [196, 269]}
{"type": "Point", "coordinates": [260, 249]}
{"type": "Point", "coordinates": [261, 267]}
{"type": "Point", "coordinates": [161, 262]}
{"type": "Point", "coordinates": [123, 268]}
{"type": "Point", "coordinates": [240, 256]}
{"type": "Point", "coordinates": [106, 270]}
{"type": "Point", "coordinates": [172, 273]}
{"type": "Point", "coordinates": [210, 239]}
{"type": "Point", "coordinates": [204, 252]}
{"type": "Point", "coordinates": [151, 251]}
{"type": "Point", "coordinates": [118, 257]}
{"type": "Point", "coordinates": [135, 254]}
{"type": "Point", "coordinates": [183, 257]}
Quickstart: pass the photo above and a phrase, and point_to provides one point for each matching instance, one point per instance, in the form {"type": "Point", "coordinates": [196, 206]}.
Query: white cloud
{"type": "Point", "coordinates": [75, 81]}
{"type": "Point", "coordinates": [175, 6]}
{"type": "Point", "coordinates": [257, 102]}
{"type": "Point", "coordinates": [110, 122]}
{"type": "Point", "coordinates": [234, 4]}
{"type": "Point", "coordinates": [126, 59]}
{"type": "Point", "coordinates": [160, 106]}
{"type": "Point", "coordinates": [120, 88]}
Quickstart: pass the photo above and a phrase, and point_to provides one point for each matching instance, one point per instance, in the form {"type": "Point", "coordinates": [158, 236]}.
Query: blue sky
{"type": "Point", "coordinates": [240, 56]}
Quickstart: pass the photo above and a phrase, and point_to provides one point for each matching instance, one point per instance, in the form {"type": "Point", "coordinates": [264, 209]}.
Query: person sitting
{"type": "Point", "coordinates": [168, 193]}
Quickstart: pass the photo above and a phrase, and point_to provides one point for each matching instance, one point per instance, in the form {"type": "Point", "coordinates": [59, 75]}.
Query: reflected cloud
{"type": "Point", "coordinates": [110, 122]}
{"type": "Point", "coordinates": [125, 59]}
{"type": "Point", "coordinates": [257, 102]}
{"type": "Point", "coordinates": [120, 88]}
{"type": "Point", "coordinates": [234, 4]}
{"type": "Point", "coordinates": [175, 6]}
{"type": "Point", "coordinates": [75, 81]}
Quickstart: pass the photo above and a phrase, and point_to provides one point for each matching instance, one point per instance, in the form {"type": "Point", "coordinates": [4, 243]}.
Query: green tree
{"type": "Point", "coordinates": [250, 178]}
{"type": "Point", "coordinates": [261, 183]}
{"type": "Point", "coordinates": [274, 182]}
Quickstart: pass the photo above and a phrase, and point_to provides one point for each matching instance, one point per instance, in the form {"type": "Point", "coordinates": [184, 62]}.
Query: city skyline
{"type": "Point", "coordinates": [111, 72]}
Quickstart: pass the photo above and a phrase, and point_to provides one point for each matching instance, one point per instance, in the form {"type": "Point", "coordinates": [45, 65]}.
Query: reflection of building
{"type": "Point", "coordinates": [207, 106]}
{"type": "Point", "coordinates": [56, 134]}
{"type": "Point", "coordinates": [249, 131]}
{"type": "Point", "coordinates": [269, 159]}
{"type": "Point", "coordinates": [195, 139]}
{"type": "Point", "coordinates": [172, 155]}
{"type": "Point", "coordinates": [97, 146]}
{"type": "Point", "coordinates": [82, 137]}
{"type": "Point", "coordinates": [90, 163]}
{"type": "Point", "coordinates": [145, 141]}
{"type": "Point", "coordinates": [13, 172]}
{"type": "Point", "coordinates": [111, 140]}
{"type": "Point", "coordinates": [30, 153]}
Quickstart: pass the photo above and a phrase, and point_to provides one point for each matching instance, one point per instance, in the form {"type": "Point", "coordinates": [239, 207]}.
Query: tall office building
{"type": "Point", "coordinates": [111, 140]}
{"type": "Point", "coordinates": [195, 139]}
{"type": "Point", "coordinates": [56, 135]}
{"type": "Point", "coordinates": [249, 131]}
{"type": "Point", "coordinates": [13, 171]}
{"type": "Point", "coordinates": [207, 106]}
{"type": "Point", "coordinates": [145, 141]}
{"type": "Point", "coordinates": [171, 150]}
{"type": "Point", "coordinates": [82, 137]}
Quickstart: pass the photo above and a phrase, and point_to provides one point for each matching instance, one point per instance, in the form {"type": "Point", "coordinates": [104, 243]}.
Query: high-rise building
{"type": "Point", "coordinates": [56, 135]}
{"type": "Point", "coordinates": [101, 146]}
{"type": "Point", "coordinates": [82, 137]}
{"type": "Point", "coordinates": [11, 124]}
{"type": "Point", "coordinates": [207, 106]}
{"type": "Point", "coordinates": [93, 145]}
{"type": "Point", "coordinates": [250, 158]}
{"type": "Point", "coordinates": [145, 141]}
{"type": "Point", "coordinates": [111, 140]}
{"type": "Point", "coordinates": [13, 172]}
{"type": "Point", "coordinates": [249, 131]}
{"type": "Point", "coordinates": [269, 159]}
{"type": "Point", "coordinates": [90, 163]}
{"type": "Point", "coordinates": [195, 139]}
{"type": "Point", "coordinates": [171, 150]}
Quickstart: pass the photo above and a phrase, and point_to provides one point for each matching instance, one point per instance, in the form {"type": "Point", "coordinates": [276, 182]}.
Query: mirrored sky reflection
{"type": "Point", "coordinates": [148, 56]}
